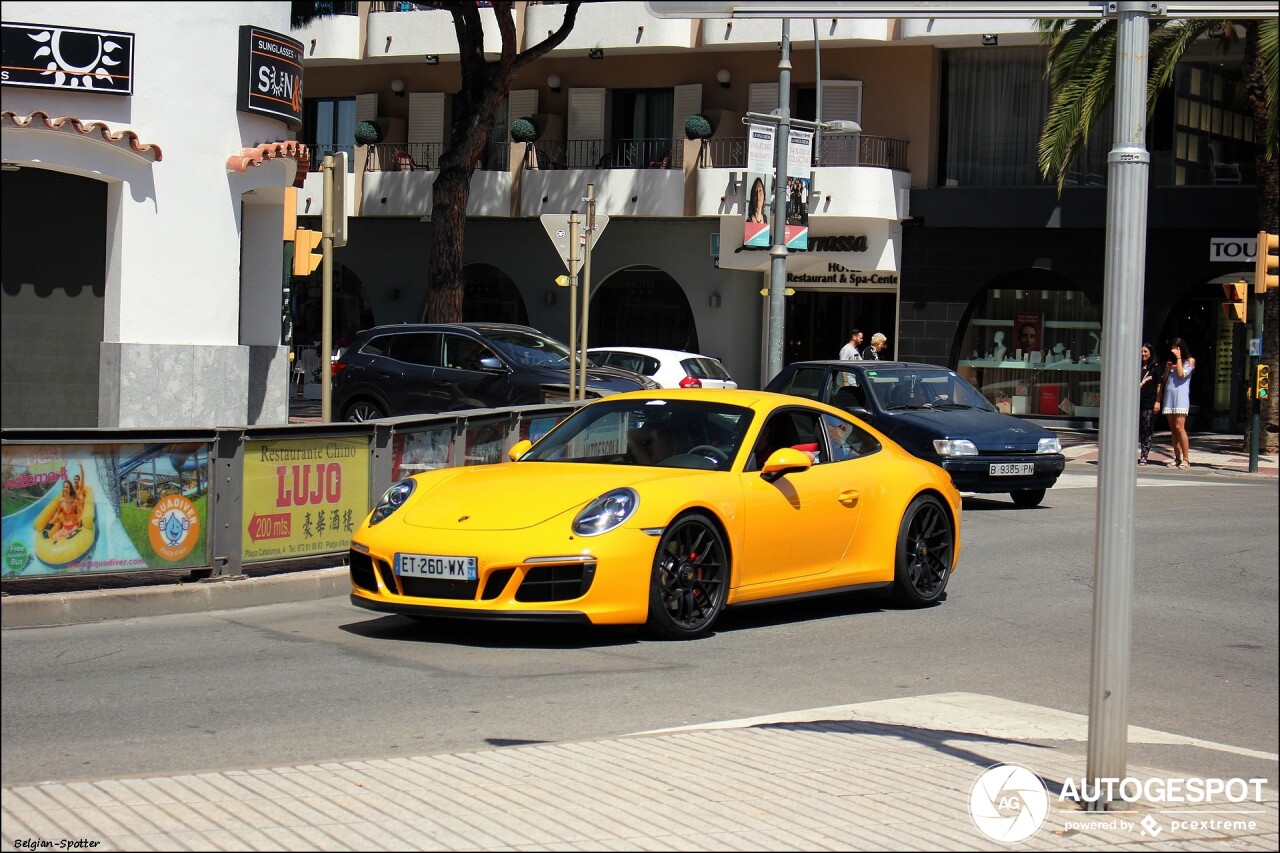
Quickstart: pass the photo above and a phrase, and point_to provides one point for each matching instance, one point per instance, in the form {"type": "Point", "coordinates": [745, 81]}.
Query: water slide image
{"type": "Point", "coordinates": [144, 508]}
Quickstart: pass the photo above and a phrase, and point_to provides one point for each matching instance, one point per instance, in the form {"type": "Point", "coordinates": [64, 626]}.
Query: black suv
{"type": "Point", "coordinates": [423, 368]}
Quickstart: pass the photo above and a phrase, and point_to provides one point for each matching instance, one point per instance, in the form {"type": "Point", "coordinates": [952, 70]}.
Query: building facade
{"type": "Point", "coordinates": [930, 223]}
{"type": "Point", "coordinates": [146, 190]}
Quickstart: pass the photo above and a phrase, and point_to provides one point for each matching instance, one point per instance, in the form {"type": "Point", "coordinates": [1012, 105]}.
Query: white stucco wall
{"type": "Point", "coordinates": [179, 265]}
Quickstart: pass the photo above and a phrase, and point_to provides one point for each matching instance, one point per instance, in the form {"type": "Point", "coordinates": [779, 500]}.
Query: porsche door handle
{"type": "Point", "coordinates": [849, 497]}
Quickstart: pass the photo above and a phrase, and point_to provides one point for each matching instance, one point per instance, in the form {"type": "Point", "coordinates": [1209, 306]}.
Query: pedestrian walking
{"type": "Point", "coordinates": [1177, 399]}
{"type": "Point", "coordinates": [872, 352]}
{"type": "Point", "coordinates": [852, 351]}
{"type": "Point", "coordinates": [1148, 401]}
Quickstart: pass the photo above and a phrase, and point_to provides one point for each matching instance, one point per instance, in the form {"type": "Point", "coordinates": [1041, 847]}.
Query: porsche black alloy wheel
{"type": "Point", "coordinates": [926, 541]}
{"type": "Point", "coordinates": [689, 581]}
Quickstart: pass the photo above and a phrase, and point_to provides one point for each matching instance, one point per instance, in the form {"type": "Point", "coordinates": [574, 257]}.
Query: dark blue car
{"type": "Point", "coordinates": [936, 415]}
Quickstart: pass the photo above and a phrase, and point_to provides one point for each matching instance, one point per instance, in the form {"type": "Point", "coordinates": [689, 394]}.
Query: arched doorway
{"type": "Point", "coordinates": [352, 310]}
{"type": "Point", "coordinates": [53, 304]}
{"type": "Point", "coordinates": [490, 296]}
{"type": "Point", "coordinates": [642, 306]}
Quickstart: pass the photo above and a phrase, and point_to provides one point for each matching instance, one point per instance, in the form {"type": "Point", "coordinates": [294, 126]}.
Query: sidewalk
{"type": "Point", "coordinates": [895, 774]}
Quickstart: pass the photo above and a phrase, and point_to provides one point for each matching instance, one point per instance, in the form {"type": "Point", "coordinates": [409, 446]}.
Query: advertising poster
{"type": "Point", "coordinates": [1029, 335]}
{"type": "Point", "coordinates": [423, 450]}
{"type": "Point", "coordinates": [104, 508]}
{"type": "Point", "coordinates": [484, 443]}
{"type": "Point", "coordinates": [799, 166]}
{"type": "Point", "coordinates": [303, 496]}
{"type": "Point", "coordinates": [759, 189]}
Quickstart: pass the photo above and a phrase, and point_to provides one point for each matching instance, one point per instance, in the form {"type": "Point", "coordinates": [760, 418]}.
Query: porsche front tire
{"type": "Point", "coordinates": [926, 545]}
{"type": "Point", "coordinates": [689, 580]}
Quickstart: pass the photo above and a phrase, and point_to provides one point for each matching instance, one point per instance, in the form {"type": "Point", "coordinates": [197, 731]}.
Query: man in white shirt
{"type": "Point", "coordinates": [852, 351]}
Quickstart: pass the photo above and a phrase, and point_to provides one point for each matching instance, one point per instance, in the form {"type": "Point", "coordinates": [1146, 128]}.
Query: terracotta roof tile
{"type": "Point", "coordinates": [86, 128]}
{"type": "Point", "coordinates": [259, 154]}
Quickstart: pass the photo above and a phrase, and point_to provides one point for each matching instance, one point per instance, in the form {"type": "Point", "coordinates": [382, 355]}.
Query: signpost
{"type": "Point", "coordinates": [572, 239]}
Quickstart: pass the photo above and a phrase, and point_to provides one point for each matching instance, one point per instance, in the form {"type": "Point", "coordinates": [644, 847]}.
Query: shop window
{"type": "Point", "coordinates": [1034, 351]}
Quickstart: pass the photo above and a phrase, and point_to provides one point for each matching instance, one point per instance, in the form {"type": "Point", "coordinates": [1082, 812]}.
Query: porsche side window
{"type": "Point", "coordinates": [847, 440]}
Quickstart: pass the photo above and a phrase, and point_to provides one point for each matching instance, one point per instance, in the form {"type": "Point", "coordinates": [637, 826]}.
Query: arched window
{"type": "Point", "coordinates": [642, 306]}
{"type": "Point", "coordinates": [490, 296]}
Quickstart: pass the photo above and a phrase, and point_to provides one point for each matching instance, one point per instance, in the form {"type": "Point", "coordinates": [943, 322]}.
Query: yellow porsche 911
{"type": "Point", "coordinates": [662, 508]}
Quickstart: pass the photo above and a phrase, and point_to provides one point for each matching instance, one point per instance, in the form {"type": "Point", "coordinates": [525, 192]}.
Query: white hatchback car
{"type": "Point", "coordinates": [669, 368]}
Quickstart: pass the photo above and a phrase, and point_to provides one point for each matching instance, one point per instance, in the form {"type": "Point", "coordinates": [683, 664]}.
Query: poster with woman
{"type": "Point", "coordinates": [755, 231]}
{"type": "Point", "coordinates": [1028, 336]}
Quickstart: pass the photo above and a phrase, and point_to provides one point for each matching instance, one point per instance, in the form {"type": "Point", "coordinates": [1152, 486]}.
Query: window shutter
{"type": "Point", "coordinates": [586, 114]}
{"type": "Point", "coordinates": [585, 127]}
{"type": "Point", "coordinates": [521, 103]}
{"type": "Point", "coordinates": [688, 102]}
{"type": "Point", "coordinates": [426, 117]}
{"type": "Point", "coordinates": [763, 98]}
{"type": "Point", "coordinates": [842, 100]}
{"type": "Point", "coordinates": [366, 107]}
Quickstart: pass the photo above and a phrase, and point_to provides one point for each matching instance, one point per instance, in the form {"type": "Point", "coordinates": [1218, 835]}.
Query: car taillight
{"type": "Point", "coordinates": [691, 382]}
{"type": "Point", "coordinates": [336, 367]}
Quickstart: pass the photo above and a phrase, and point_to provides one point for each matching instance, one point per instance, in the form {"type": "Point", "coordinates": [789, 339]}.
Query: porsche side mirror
{"type": "Point", "coordinates": [520, 448]}
{"type": "Point", "coordinates": [788, 460]}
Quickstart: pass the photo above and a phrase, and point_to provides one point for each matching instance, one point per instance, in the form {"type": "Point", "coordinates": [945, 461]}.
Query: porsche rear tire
{"type": "Point", "coordinates": [690, 579]}
{"type": "Point", "coordinates": [926, 545]}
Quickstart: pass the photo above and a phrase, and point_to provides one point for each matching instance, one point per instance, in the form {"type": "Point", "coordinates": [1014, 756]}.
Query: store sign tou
{"type": "Point", "coordinates": [270, 75]}
{"type": "Point", "coordinates": [1232, 249]}
{"type": "Point", "coordinates": [48, 57]}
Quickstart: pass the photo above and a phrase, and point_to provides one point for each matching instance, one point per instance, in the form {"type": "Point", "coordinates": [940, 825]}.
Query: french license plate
{"type": "Point", "coordinates": [1013, 469]}
{"type": "Point", "coordinates": [436, 566]}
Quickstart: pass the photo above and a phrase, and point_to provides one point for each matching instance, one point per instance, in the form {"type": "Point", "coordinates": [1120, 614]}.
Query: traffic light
{"type": "Point", "coordinates": [1262, 382]}
{"type": "Point", "coordinates": [305, 260]}
{"type": "Point", "coordinates": [1235, 306]}
{"type": "Point", "coordinates": [1266, 269]}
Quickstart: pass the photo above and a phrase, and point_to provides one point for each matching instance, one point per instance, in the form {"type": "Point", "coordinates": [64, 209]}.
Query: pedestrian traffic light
{"type": "Point", "coordinates": [1235, 306]}
{"type": "Point", "coordinates": [1262, 381]}
{"type": "Point", "coordinates": [1266, 264]}
{"type": "Point", "coordinates": [305, 260]}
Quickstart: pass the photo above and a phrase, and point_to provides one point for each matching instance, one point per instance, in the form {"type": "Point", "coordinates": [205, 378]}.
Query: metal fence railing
{"type": "Point", "coordinates": [860, 149]}
{"type": "Point", "coordinates": [606, 153]}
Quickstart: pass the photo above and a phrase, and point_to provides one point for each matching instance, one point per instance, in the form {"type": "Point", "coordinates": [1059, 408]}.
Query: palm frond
{"type": "Point", "coordinates": [1268, 59]}
{"type": "Point", "coordinates": [1079, 70]}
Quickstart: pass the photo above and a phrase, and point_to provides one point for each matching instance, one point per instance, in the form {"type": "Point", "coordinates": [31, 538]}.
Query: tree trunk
{"type": "Point", "coordinates": [451, 192]}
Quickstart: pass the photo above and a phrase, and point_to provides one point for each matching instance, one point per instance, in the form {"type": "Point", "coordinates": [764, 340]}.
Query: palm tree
{"type": "Point", "coordinates": [1081, 74]}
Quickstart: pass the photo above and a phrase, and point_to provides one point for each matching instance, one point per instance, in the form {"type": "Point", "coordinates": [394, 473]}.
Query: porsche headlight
{"type": "Point", "coordinates": [606, 512]}
{"type": "Point", "coordinates": [392, 500]}
{"type": "Point", "coordinates": [1049, 445]}
{"type": "Point", "coordinates": [954, 447]}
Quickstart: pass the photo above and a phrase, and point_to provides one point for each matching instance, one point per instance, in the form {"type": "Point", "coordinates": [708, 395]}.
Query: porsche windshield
{"type": "Point", "coordinates": [666, 433]}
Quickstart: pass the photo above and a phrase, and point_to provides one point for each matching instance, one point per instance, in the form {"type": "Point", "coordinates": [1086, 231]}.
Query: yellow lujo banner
{"type": "Point", "coordinates": [303, 496]}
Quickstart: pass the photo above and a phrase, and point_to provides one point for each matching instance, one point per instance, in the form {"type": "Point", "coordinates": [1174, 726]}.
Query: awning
{"type": "Point", "coordinates": [259, 154]}
{"type": "Point", "coordinates": [125, 139]}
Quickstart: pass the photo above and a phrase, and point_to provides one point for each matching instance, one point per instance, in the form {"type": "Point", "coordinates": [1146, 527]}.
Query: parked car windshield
{"type": "Point", "coordinates": [901, 388]}
{"type": "Point", "coordinates": [667, 433]}
{"type": "Point", "coordinates": [529, 349]}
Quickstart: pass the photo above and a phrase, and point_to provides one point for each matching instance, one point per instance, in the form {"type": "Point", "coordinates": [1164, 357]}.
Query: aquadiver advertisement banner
{"type": "Point", "coordinates": [71, 509]}
{"type": "Point", "coordinates": [303, 496]}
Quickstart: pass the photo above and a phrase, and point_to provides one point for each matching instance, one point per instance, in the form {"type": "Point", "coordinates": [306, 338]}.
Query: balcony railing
{"type": "Point", "coordinates": [844, 150]}
{"type": "Point", "coordinates": [605, 154]}
{"type": "Point", "coordinates": [425, 156]}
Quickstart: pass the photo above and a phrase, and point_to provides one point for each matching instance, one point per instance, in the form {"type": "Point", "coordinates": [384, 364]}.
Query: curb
{"type": "Point", "coordinates": [76, 608]}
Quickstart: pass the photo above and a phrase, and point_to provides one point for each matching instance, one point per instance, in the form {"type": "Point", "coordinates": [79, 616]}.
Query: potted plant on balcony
{"type": "Point", "coordinates": [698, 126]}
{"type": "Point", "coordinates": [524, 130]}
{"type": "Point", "coordinates": [369, 134]}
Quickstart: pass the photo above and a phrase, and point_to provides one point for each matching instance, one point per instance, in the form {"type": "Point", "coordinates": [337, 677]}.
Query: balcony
{"type": "Point", "coordinates": [632, 177]}
{"type": "Point", "coordinates": [334, 39]}
{"type": "Point", "coordinates": [408, 32]}
{"type": "Point", "coordinates": [749, 33]}
{"type": "Point", "coordinates": [861, 149]}
{"type": "Point", "coordinates": [626, 27]}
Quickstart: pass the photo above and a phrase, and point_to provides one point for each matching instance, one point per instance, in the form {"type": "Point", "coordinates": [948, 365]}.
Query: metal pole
{"type": "Point", "coordinates": [1257, 300]}
{"type": "Point", "coordinates": [778, 234]}
{"type": "Point", "coordinates": [1128, 165]}
{"type": "Point", "coordinates": [326, 296]}
{"type": "Point", "coordinates": [573, 304]}
{"type": "Point", "coordinates": [586, 284]}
